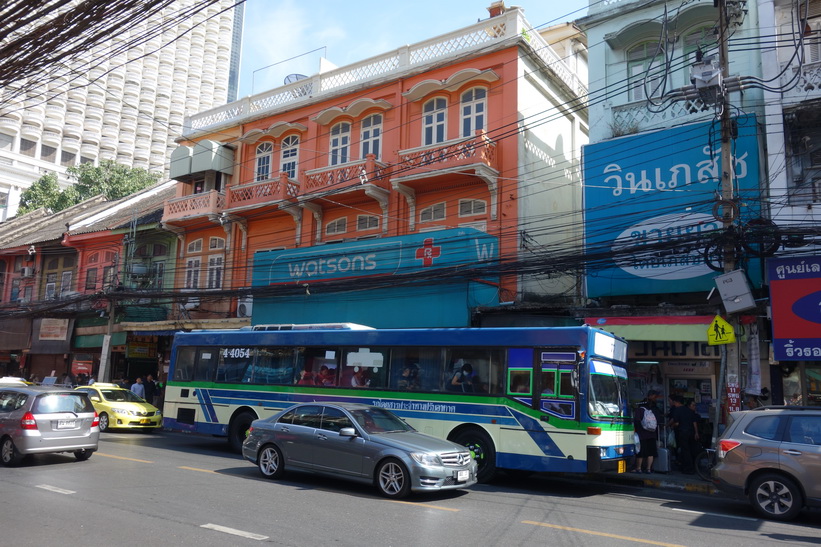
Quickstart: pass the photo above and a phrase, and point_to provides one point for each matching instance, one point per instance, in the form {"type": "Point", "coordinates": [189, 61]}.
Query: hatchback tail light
{"type": "Point", "coordinates": [725, 446]}
{"type": "Point", "coordinates": [28, 421]}
{"type": "Point", "coordinates": [96, 421]}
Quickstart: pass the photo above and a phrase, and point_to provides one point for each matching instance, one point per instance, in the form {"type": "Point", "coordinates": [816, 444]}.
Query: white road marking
{"type": "Point", "coordinates": [722, 515]}
{"type": "Point", "coordinates": [55, 489]}
{"type": "Point", "coordinates": [233, 532]}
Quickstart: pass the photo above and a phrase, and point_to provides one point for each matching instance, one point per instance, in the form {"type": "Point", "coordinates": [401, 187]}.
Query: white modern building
{"type": "Point", "coordinates": [128, 107]}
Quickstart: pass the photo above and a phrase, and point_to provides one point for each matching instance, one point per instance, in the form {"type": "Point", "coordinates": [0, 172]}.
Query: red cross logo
{"type": "Point", "coordinates": [427, 252]}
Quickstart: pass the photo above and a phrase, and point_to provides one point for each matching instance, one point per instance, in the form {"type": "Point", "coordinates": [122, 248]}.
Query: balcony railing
{"type": "Point", "coordinates": [804, 86]}
{"type": "Point", "coordinates": [504, 29]}
{"type": "Point", "coordinates": [195, 205]}
{"type": "Point", "coordinates": [258, 193]}
{"type": "Point", "coordinates": [475, 150]}
{"type": "Point", "coordinates": [352, 174]}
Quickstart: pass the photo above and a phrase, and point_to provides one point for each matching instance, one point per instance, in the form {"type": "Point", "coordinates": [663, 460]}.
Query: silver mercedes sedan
{"type": "Point", "coordinates": [360, 442]}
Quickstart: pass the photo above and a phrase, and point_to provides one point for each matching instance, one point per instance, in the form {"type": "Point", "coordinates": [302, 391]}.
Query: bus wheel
{"type": "Point", "coordinates": [481, 447]}
{"type": "Point", "coordinates": [238, 430]}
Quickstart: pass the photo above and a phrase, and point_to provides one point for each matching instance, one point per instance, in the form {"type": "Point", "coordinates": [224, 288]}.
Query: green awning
{"type": "Point", "coordinates": [692, 328]}
{"type": "Point", "coordinates": [660, 333]}
{"type": "Point", "coordinates": [96, 340]}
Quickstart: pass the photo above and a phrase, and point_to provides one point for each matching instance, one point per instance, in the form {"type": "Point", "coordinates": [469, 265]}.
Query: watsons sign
{"type": "Point", "coordinates": [388, 256]}
{"type": "Point", "coordinates": [323, 267]}
{"type": "Point", "coordinates": [649, 202]}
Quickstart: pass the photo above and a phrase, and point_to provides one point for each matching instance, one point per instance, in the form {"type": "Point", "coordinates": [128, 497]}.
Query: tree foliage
{"type": "Point", "coordinates": [110, 179]}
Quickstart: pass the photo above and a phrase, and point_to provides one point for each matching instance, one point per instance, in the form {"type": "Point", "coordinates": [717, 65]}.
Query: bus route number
{"type": "Point", "coordinates": [236, 353]}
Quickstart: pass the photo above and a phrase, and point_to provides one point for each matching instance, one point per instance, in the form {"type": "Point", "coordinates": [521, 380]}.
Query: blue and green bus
{"type": "Point", "coordinates": [530, 399]}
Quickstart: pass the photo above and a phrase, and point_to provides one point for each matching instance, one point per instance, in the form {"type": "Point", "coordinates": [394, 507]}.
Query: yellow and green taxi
{"type": "Point", "coordinates": [118, 407]}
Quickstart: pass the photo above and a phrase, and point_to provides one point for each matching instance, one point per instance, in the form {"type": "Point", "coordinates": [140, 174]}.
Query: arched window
{"type": "Point", "coordinates": [372, 135]}
{"type": "Point", "coordinates": [336, 227]}
{"type": "Point", "coordinates": [340, 143]}
{"type": "Point", "coordinates": [474, 107]}
{"type": "Point", "coordinates": [367, 222]}
{"type": "Point", "coordinates": [434, 121]}
{"type": "Point", "coordinates": [290, 155]}
{"type": "Point", "coordinates": [432, 213]}
{"type": "Point", "coordinates": [646, 71]}
{"type": "Point", "coordinates": [263, 167]}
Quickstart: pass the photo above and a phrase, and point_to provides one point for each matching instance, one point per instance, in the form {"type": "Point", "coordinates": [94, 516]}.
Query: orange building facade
{"type": "Point", "coordinates": [386, 191]}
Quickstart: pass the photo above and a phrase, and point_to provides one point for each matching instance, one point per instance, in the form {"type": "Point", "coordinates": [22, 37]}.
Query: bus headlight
{"type": "Point", "coordinates": [603, 451]}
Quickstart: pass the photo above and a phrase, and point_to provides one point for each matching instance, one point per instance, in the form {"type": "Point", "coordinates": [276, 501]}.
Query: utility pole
{"type": "Point", "coordinates": [730, 355]}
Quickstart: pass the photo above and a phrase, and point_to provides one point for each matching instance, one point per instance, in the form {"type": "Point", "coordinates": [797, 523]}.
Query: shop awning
{"type": "Point", "coordinates": [687, 328]}
{"type": "Point", "coordinates": [96, 340]}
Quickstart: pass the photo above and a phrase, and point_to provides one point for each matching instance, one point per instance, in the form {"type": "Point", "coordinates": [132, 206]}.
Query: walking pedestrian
{"type": "Point", "coordinates": [645, 423]}
{"type": "Point", "coordinates": [137, 388]}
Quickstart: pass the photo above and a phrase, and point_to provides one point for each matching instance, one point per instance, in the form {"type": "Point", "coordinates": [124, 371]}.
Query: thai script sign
{"type": "Point", "coordinates": [649, 206]}
{"type": "Point", "coordinates": [795, 295]}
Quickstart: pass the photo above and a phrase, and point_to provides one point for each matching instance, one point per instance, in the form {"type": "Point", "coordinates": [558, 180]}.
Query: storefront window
{"type": "Point", "coordinates": [812, 376]}
{"type": "Point", "coordinates": [792, 388]}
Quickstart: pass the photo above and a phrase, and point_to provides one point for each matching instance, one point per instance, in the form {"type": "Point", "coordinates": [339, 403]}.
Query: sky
{"type": "Point", "coordinates": [285, 33]}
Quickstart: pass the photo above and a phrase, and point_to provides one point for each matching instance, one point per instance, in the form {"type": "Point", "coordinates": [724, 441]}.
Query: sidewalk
{"type": "Point", "coordinates": [670, 481]}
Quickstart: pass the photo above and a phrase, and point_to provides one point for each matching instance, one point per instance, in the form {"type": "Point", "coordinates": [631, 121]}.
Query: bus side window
{"type": "Point", "coordinates": [206, 365]}
{"type": "Point", "coordinates": [566, 383]}
{"type": "Point", "coordinates": [184, 364]}
{"type": "Point", "coordinates": [519, 381]}
{"type": "Point", "coordinates": [548, 383]}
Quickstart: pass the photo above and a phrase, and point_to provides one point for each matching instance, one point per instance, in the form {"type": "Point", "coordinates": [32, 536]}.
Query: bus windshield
{"type": "Point", "coordinates": [608, 390]}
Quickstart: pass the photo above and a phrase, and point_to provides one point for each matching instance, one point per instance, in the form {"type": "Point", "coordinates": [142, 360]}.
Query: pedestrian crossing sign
{"type": "Point", "coordinates": [720, 332]}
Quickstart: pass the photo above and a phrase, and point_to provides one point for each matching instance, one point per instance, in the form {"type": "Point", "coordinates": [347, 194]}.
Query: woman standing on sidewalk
{"type": "Point", "coordinates": [645, 424]}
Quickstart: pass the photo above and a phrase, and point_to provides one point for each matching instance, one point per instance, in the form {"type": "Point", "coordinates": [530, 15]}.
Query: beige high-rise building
{"type": "Point", "coordinates": [128, 107]}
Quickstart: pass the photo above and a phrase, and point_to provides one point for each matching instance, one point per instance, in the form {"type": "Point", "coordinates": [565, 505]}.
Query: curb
{"type": "Point", "coordinates": [692, 487]}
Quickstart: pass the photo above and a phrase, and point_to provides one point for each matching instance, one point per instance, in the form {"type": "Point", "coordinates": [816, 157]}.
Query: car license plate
{"type": "Point", "coordinates": [66, 424]}
{"type": "Point", "coordinates": [462, 476]}
{"type": "Point", "coordinates": [145, 421]}
{"type": "Point", "coordinates": [622, 466]}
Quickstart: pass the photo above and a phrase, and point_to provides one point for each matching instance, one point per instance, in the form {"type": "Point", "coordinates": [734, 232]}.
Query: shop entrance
{"type": "Point", "coordinates": [701, 391]}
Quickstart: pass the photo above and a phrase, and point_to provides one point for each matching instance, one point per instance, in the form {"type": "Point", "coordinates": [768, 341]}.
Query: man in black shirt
{"type": "Point", "coordinates": [684, 423]}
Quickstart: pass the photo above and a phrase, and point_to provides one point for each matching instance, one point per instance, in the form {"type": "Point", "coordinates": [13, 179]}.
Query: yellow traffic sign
{"type": "Point", "coordinates": [720, 332]}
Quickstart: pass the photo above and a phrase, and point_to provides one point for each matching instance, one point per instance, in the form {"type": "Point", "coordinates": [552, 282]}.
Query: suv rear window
{"type": "Point", "coordinates": [765, 427]}
{"type": "Point", "coordinates": [62, 402]}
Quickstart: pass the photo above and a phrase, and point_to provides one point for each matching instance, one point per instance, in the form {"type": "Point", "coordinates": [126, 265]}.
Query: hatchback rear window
{"type": "Point", "coordinates": [62, 402]}
{"type": "Point", "coordinates": [765, 427]}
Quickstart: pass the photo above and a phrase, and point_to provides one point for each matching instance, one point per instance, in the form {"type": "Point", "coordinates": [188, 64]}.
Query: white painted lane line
{"type": "Point", "coordinates": [714, 514]}
{"type": "Point", "coordinates": [234, 532]}
{"type": "Point", "coordinates": [55, 489]}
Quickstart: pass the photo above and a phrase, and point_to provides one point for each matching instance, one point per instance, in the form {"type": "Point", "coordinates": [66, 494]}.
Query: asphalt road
{"type": "Point", "coordinates": [179, 489]}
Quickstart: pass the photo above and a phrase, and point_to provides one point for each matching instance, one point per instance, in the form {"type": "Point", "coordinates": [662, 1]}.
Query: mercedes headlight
{"type": "Point", "coordinates": [426, 458]}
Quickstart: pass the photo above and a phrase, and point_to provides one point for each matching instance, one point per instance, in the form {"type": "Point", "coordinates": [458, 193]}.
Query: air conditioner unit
{"type": "Point", "coordinates": [139, 270]}
{"type": "Point", "coordinates": [22, 302]}
{"type": "Point", "coordinates": [192, 303]}
{"type": "Point", "coordinates": [245, 306]}
{"type": "Point", "coordinates": [27, 271]}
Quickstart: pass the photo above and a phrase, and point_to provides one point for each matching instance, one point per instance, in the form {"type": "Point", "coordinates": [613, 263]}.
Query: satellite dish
{"type": "Point", "coordinates": [291, 78]}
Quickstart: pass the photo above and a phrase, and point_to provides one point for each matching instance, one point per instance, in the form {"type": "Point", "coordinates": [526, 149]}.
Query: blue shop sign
{"type": "Point", "coordinates": [644, 192]}
{"type": "Point", "coordinates": [376, 257]}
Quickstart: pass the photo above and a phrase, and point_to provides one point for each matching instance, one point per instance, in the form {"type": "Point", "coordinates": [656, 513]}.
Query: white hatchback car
{"type": "Point", "coordinates": [38, 420]}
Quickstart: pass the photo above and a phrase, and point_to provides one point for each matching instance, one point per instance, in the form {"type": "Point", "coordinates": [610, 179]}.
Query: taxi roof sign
{"type": "Point", "coordinates": [720, 332]}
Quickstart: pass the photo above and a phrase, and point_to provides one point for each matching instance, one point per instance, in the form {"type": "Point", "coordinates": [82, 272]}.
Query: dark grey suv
{"type": "Point", "coordinates": [38, 420]}
{"type": "Point", "coordinates": [772, 456]}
